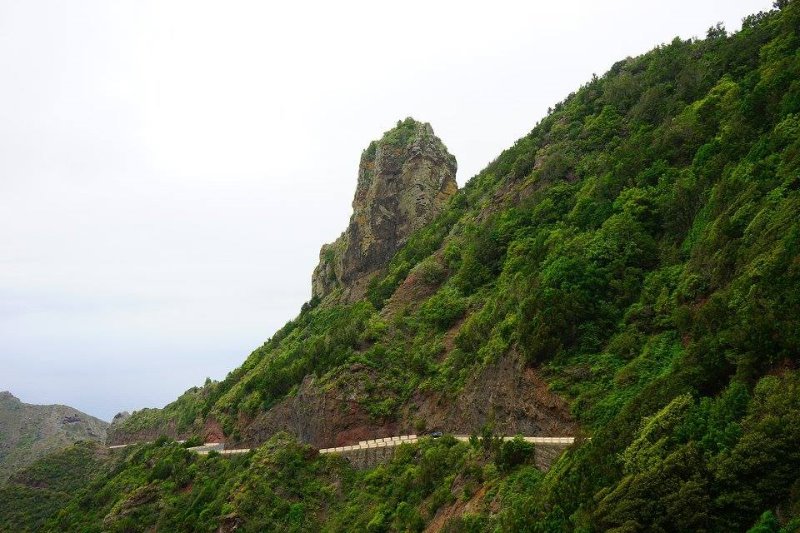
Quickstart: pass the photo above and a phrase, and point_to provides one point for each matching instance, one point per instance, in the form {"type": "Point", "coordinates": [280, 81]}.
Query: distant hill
{"type": "Point", "coordinates": [28, 432]}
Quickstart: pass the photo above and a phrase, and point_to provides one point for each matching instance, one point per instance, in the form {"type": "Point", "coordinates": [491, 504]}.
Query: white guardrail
{"type": "Point", "coordinates": [385, 442]}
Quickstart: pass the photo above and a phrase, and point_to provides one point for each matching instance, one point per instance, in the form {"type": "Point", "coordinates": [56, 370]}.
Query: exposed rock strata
{"type": "Point", "coordinates": [322, 417]}
{"type": "Point", "coordinates": [506, 395]}
{"type": "Point", "coordinates": [404, 181]}
{"type": "Point", "coordinates": [511, 398]}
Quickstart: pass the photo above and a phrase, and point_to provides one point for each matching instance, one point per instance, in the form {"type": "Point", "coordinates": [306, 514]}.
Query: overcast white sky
{"type": "Point", "coordinates": [169, 170]}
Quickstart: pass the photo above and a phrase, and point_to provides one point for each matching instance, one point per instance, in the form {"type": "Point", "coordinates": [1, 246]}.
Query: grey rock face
{"type": "Point", "coordinates": [120, 417]}
{"type": "Point", "coordinates": [404, 181]}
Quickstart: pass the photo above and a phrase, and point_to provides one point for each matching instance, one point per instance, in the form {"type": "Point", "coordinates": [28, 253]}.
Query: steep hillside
{"type": "Point", "coordinates": [283, 486]}
{"type": "Point", "coordinates": [28, 432]}
{"type": "Point", "coordinates": [630, 269]}
{"type": "Point", "coordinates": [36, 492]}
{"type": "Point", "coordinates": [343, 371]}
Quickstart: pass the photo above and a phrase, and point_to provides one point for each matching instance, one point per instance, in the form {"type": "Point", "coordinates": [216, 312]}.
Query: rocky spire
{"type": "Point", "coordinates": [404, 181]}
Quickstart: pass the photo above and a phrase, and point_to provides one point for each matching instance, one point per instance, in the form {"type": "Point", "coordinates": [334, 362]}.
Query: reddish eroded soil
{"type": "Point", "coordinates": [324, 418]}
{"type": "Point", "coordinates": [456, 509]}
{"type": "Point", "coordinates": [449, 339]}
{"type": "Point", "coordinates": [412, 292]}
{"type": "Point", "coordinates": [212, 431]}
{"type": "Point", "coordinates": [512, 398]}
{"type": "Point", "coordinates": [365, 432]}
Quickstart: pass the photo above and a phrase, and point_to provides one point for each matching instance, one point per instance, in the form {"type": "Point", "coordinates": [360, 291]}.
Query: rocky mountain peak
{"type": "Point", "coordinates": [120, 417]}
{"type": "Point", "coordinates": [404, 181]}
{"type": "Point", "coordinates": [9, 401]}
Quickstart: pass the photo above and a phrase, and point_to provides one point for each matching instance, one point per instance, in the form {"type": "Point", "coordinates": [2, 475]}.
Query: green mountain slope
{"type": "Point", "coordinates": [38, 491]}
{"type": "Point", "coordinates": [638, 252]}
{"type": "Point", "coordinates": [28, 432]}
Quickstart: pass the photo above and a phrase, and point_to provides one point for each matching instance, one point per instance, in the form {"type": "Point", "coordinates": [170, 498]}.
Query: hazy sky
{"type": "Point", "coordinates": [169, 170]}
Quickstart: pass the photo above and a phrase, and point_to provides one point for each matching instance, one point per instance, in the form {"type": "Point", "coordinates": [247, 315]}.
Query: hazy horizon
{"type": "Point", "coordinates": [170, 170]}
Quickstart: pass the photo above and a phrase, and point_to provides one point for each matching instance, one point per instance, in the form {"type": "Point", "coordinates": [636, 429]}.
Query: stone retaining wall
{"type": "Point", "coordinates": [369, 453]}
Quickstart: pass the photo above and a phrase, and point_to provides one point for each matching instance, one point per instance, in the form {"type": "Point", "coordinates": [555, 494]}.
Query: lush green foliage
{"type": "Point", "coordinates": [162, 485]}
{"type": "Point", "coordinates": [33, 495]}
{"type": "Point", "coordinates": [282, 486]}
{"type": "Point", "coordinates": [640, 246]}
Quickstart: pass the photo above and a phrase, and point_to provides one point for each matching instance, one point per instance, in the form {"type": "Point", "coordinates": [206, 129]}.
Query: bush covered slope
{"type": "Point", "coordinates": [29, 432]}
{"type": "Point", "coordinates": [37, 492]}
{"type": "Point", "coordinates": [639, 249]}
{"type": "Point", "coordinates": [282, 486]}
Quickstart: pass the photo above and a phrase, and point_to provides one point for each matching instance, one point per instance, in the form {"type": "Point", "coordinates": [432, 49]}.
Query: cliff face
{"type": "Point", "coordinates": [28, 432]}
{"type": "Point", "coordinates": [510, 397]}
{"type": "Point", "coordinates": [404, 181]}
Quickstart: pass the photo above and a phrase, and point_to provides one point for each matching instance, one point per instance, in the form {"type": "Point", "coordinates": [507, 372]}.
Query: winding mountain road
{"type": "Point", "coordinates": [371, 452]}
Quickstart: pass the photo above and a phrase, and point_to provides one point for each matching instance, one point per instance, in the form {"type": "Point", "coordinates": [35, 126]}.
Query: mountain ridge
{"type": "Point", "coordinates": [29, 432]}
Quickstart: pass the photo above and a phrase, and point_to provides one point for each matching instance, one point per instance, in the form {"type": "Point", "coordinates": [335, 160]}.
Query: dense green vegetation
{"type": "Point", "coordinates": [36, 493]}
{"type": "Point", "coordinates": [641, 247]}
{"type": "Point", "coordinates": [282, 486]}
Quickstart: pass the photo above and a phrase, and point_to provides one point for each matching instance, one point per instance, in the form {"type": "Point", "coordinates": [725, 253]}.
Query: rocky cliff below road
{"type": "Point", "coordinates": [404, 181]}
{"type": "Point", "coordinates": [28, 432]}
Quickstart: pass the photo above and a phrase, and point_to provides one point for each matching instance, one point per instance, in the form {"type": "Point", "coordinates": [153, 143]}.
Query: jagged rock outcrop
{"type": "Point", "coordinates": [120, 417]}
{"type": "Point", "coordinates": [404, 181]}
